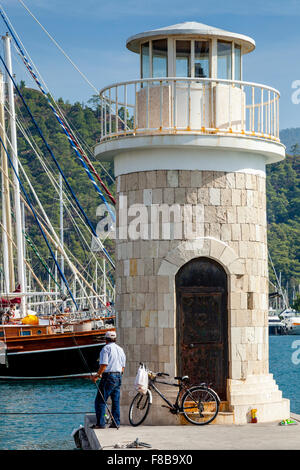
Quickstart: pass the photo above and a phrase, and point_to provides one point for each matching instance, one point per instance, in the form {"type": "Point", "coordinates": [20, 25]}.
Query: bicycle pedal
{"type": "Point", "coordinates": [165, 406]}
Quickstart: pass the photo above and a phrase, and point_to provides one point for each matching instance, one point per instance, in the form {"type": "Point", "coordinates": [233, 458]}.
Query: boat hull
{"type": "Point", "coordinates": [76, 361]}
{"type": "Point", "coordinates": [52, 357]}
{"type": "Point", "coordinates": [276, 330]}
{"type": "Point", "coordinates": [294, 330]}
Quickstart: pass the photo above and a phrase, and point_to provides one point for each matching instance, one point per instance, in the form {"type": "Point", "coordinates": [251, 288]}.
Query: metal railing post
{"type": "Point", "coordinates": [110, 111]}
{"type": "Point", "coordinates": [125, 107]}
{"type": "Point", "coordinates": [262, 111]}
{"type": "Point", "coordinates": [101, 114]}
{"type": "Point", "coordinates": [135, 107]}
{"type": "Point", "coordinates": [174, 105]}
{"type": "Point", "coordinates": [189, 106]}
{"type": "Point", "coordinates": [160, 105]}
{"type": "Point", "coordinates": [147, 107]}
{"type": "Point", "coordinates": [117, 111]}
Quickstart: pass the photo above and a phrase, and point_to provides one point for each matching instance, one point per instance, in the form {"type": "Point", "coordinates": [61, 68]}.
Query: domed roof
{"type": "Point", "coordinates": [191, 28]}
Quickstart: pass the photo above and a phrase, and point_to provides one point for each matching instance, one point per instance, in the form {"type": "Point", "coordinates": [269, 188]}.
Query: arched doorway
{"type": "Point", "coordinates": [202, 323]}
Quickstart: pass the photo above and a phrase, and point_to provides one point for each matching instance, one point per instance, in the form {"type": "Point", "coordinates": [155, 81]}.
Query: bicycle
{"type": "Point", "coordinates": [199, 403]}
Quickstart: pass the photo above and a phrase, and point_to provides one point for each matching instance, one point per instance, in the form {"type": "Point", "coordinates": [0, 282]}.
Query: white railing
{"type": "Point", "coordinates": [189, 105]}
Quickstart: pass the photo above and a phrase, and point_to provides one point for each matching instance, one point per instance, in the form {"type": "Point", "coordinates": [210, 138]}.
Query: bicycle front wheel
{"type": "Point", "coordinates": [199, 405]}
{"type": "Point", "coordinates": [139, 408]}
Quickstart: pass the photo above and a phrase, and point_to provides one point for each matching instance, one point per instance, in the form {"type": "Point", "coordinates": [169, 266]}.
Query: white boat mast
{"type": "Point", "coordinates": [9, 278]}
{"type": "Point", "coordinates": [24, 244]}
{"type": "Point", "coordinates": [13, 139]}
{"type": "Point", "coordinates": [104, 282]}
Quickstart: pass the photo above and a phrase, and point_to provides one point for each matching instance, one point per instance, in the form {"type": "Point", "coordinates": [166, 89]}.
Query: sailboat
{"type": "Point", "coordinates": [57, 343]}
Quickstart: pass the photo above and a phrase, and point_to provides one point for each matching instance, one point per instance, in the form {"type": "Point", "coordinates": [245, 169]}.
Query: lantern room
{"type": "Point", "coordinates": [192, 50]}
{"type": "Point", "coordinates": [190, 82]}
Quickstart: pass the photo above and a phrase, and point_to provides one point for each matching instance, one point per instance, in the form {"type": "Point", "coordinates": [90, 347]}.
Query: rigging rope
{"type": "Point", "coordinates": [55, 103]}
{"type": "Point", "coordinates": [59, 47]}
{"type": "Point", "coordinates": [31, 244]}
{"type": "Point", "coordinates": [38, 223]}
{"type": "Point", "coordinates": [70, 135]}
{"type": "Point", "coordinates": [57, 164]}
{"type": "Point", "coordinates": [46, 220]}
{"type": "Point", "coordinates": [32, 272]}
{"type": "Point", "coordinates": [56, 187]}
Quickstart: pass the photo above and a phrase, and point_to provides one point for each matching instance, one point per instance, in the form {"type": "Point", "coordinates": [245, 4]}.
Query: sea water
{"type": "Point", "coordinates": [43, 431]}
{"type": "Point", "coordinates": [53, 432]}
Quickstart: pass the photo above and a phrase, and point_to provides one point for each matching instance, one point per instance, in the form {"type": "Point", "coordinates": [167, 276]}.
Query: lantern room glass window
{"type": "Point", "coordinates": [201, 59]}
{"type": "Point", "coordinates": [160, 58]}
{"type": "Point", "coordinates": [183, 58]}
{"type": "Point", "coordinates": [145, 55]}
{"type": "Point", "coordinates": [237, 62]}
{"type": "Point", "coordinates": [224, 60]}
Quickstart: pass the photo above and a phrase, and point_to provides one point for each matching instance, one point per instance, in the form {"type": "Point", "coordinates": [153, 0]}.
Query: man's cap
{"type": "Point", "coordinates": [110, 334]}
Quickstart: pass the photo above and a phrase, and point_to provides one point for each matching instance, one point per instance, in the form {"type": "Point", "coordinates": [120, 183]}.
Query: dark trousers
{"type": "Point", "coordinates": [110, 385]}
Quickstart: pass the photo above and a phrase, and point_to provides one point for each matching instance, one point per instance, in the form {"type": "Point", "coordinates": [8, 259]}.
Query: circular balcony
{"type": "Point", "coordinates": [198, 106]}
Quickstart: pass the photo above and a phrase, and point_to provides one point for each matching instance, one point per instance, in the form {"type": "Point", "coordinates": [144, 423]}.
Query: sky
{"type": "Point", "coordinates": [94, 32]}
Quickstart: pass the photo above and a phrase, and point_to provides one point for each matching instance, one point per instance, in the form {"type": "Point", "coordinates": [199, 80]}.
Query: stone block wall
{"type": "Point", "coordinates": [233, 233]}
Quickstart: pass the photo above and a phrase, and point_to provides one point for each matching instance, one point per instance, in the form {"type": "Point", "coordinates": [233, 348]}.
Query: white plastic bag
{"type": "Point", "coordinates": [141, 380]}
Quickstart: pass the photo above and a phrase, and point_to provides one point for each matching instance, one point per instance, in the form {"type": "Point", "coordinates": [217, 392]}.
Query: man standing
{"type": "Point", "coordinates": [112, 364]}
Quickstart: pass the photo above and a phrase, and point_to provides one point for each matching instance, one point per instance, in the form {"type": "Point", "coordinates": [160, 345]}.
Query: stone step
{"type": "Point", "coordinates": [256, 398]}
{"type": "Point", "coordinates": [223, 417]}
{"type": "Point", "coordinates": [266, 412]}
{"type": "Point", "coordinates": [224, 406]}
{"type": "Point", "coordinates": [248, 388]}
{"type": "Point", "coordinates": [254, 379]}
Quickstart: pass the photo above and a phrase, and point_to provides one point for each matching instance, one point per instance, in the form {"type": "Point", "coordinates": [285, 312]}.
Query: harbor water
{"type": "Point", "coordinates": [53, 432]}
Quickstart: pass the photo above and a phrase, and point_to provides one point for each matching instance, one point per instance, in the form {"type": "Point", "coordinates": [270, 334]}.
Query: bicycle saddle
{"type": "Point", "coordinates": [185, 377]}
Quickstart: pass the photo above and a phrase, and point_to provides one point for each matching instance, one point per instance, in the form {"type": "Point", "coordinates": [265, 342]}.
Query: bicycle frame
{"type": "Point", "coordinates": [185, 402]}
{"type": "Point", "coordinates": [173, 406]}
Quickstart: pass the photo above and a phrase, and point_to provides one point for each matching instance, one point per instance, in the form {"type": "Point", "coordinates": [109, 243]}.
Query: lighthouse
{"type": "Point", "coordinates": [190, 141]}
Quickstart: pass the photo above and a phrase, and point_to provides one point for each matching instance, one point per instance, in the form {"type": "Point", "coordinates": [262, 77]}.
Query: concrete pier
{"type": "Point", "coordinates": [259, 436]}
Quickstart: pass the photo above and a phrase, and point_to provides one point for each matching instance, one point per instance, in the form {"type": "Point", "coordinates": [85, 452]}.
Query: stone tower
{"type": "Point", "coordinates": [190, 142]}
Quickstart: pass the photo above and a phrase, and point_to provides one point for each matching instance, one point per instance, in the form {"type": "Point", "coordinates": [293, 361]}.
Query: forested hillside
{"type": "Point", "coordinates": [283, 192]}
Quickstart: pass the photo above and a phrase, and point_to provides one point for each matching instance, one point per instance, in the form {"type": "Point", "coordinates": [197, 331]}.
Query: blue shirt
{"type": "Point", "coordinates": [113, 356]}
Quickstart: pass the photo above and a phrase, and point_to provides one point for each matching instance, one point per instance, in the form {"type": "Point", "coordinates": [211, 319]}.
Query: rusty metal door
{"type": "Point", "coordinates": [202, 323]}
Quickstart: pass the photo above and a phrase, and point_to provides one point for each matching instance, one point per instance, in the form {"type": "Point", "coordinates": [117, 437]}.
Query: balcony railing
{"type": "Point", "coordinates": [160, 106]}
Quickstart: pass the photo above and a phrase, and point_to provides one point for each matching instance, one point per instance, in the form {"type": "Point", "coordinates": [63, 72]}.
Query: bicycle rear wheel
{"type": "Point", "coordinates": [199, 405]}
{"type": "Point", "coordinates": [139, 408]}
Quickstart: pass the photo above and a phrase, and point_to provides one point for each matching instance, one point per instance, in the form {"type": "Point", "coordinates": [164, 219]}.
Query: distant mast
{"type": "Point", "coordinates": [61, 231]}
{"type": "Point", "coordinates": [61, 227]}
{"type": "Point", "coordinates": [14, 148]}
